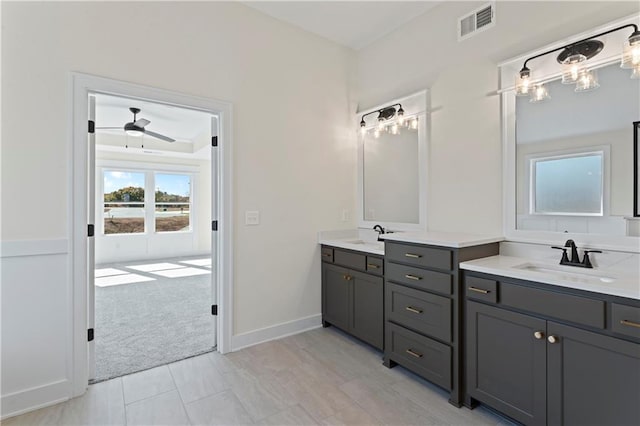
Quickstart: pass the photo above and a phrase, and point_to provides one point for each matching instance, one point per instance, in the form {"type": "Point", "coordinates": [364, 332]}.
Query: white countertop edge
{"type": "Point", "coordinates": [366, 248]}
{"type": "Point", "coordinates": [443, 239]}
{"type": "Point", "coordinates": [626, 287]}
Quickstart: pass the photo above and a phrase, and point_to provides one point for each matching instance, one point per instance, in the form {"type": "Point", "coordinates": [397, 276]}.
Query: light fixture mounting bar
{"type": "Point", "coordinates": [385, 113]}
{"type": "Point", "coordinates": [635, 30]}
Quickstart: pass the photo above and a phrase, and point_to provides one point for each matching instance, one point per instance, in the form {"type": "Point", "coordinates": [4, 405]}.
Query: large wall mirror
{"type": "Point", "coordinates": [391, 164]}
{"type": "Point", "coordinates": [574, 156]}
{"type": "Point", "coordinates": [570, 159]}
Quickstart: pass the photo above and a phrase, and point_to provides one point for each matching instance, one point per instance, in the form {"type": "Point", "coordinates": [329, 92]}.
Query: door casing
{"type": "Point", "coordinates": [81, 85]}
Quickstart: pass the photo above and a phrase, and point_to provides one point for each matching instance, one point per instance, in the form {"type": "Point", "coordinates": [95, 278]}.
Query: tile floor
{"type": "Point", "coordinates": [318, 377]}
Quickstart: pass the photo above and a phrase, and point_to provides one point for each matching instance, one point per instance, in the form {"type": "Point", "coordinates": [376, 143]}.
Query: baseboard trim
{"type": "Point", "coordinates": [17, 248]}
{"type": "Point", "coordinates": [278, 331]}
{"type": "Point", "coordinates": [31, 399]}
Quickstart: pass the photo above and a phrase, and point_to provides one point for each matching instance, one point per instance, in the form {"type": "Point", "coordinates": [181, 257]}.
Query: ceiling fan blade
{"type": "Point", "coordinates": [159, 136]}
{"type": "Point", "coordinates": [141, 122]}
{"type": "Point", "coordinates": [104, 128]}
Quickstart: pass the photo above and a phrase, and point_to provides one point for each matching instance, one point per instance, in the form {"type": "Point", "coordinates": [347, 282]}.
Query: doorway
{"type": "Point", "coordinates": [152, 246]}
{"type": "Point", "coordinates": [84, 217]}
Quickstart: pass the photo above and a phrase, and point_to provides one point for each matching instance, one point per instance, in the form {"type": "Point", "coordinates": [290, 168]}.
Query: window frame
{"type": "Point", "coordinates": [190, 203]}
{"type": "Point", "coordinates": [603, 151]}
{"type": "Point", "coordinates": [103, 203]}
{"type": "Point", "coordinates": [148, 169]}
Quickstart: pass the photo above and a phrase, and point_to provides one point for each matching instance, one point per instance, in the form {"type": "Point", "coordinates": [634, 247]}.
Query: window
{"type": "Point", "coordinates": [124, 207]}
{"type": "Point", "coordinates": [567, 184]}
{"type": "Point", "coordinates": [172, 202]}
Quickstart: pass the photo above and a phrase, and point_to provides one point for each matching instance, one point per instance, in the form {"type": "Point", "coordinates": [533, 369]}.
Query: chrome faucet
{"type": "Point", "coordinates": [575, 258]}
{"type": "Point", "coordinates": [380, 230]}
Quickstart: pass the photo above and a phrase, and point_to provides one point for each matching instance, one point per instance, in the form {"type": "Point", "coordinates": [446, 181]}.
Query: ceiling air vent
{"type": "Point", "coordinates": [478, 20]}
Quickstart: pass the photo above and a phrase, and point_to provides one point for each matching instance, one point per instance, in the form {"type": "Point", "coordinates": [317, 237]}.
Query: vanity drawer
{"type": "Point", "coordinates": [419, 255]}
{"type": "Point", "coordinates": [625, 320]}
{"type": "Point", "coordinates": [423, 312]}
{"type": "Point", "coordinates": [577, 309]}
{"type": "Point", "coordinates": [419, 278]}
{"type": "Point", "coordinates": [424, 356]}
{"type": "Point", "coordinates": [350, 259]}
{"type": "Point", "coordinates": [375, 265]}
{"type": "Point", "coordinates": [481, 289]}
{"type": "Point", "coordinates": [327, 254]}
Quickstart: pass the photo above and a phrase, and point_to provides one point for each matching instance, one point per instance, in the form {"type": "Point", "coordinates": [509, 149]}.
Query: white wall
{"type": "Point", "coordinates": [294, 154]}
{"type": "Point", "coordinates": [465, 171]}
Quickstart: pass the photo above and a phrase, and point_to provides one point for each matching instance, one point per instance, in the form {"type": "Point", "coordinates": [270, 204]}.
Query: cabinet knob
{"type": "Point", "coordinates": [347, 277]}
{"type": "Point", "coordinates": [552, 339]}
{"type": "Point", "coordinates": [538, 335]}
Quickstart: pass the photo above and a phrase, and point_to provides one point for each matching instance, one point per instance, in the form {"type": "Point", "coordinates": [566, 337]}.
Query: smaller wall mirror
{"type": "Point", "coordinates": [391, 164]}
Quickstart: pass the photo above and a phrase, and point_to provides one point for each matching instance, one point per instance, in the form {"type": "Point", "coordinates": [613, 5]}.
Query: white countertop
{"type": "Point", "coordinates": [607, 280]}
{"type": "Point", "coordinates": [364, 240]}
{"type": "Point", "coordinates": [444, 239]}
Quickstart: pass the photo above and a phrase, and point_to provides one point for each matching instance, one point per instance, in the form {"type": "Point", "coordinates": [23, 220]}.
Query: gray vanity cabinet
{"type": "Point", "coordinates": [506, 363]}
{"type": "Point", "coordinates": [335, 295]}
{"type": "Point", "coordinates": [352, 299]}
{"type": "Point", "coordinates": [592, 379]}
{"type": "Point", "coordinates": [422, 310]}
{"type": "Point", "coordinates": [548, 355]}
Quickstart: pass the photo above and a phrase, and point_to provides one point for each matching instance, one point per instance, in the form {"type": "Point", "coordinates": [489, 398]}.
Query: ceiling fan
{"type": "Point", "coordinates": [137, 127]}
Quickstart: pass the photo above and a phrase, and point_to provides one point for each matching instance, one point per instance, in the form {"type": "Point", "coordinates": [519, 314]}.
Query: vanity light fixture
{"type": "Point", "coordinates": [573, 60]}
{"type": "Point", "coordinates": [385, 122]}
{"type": "Point", "coordinates": [539, 93]}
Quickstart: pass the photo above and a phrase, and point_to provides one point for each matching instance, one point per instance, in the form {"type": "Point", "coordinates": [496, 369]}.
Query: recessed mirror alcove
{"type": "Point", "coordinates": [569, 148]}
{"type": "Point", "coordinates": [392, 164]}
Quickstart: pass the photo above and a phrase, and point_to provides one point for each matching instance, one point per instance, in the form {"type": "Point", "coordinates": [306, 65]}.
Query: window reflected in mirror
{"type": "Point", "coordinates": [574, 156]}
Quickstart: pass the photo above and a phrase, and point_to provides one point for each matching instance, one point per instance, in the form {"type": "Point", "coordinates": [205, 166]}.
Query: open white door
{"type": "Point", "coordinates": [214, 228]}
{"type": "Point", "coordinates": [91, 217]}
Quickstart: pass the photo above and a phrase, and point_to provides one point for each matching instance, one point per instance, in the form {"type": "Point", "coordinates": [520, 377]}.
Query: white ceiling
{"type": "Point", "coordinates": [182, 124]}
{"type": "Point", "coordinates": [354, 24]}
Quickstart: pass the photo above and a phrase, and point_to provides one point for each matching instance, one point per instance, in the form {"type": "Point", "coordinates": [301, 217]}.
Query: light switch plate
{"type": "Point", "coordinates": [252, 217]}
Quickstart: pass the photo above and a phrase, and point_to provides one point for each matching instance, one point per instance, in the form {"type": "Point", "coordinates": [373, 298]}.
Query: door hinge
{"type": "Point", "coordinates": [214, 309]}
{"type": "Point", "coordinates": [214, 225]}
{"type": "Point", "coordinates": [214, 141]}
{"type": "Point", "coordinates": [92, 126]}
{"type": "Point", "coordinates": [90, 230]}
{"type": "Point", "coordinates": [90, 334]}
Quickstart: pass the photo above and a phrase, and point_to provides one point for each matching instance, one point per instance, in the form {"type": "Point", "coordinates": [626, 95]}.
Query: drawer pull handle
{"type": "Point", "coordinates": [414, 310]}
{"type": "Point", "coordinates": [479, 290]}
{"type": "Point", "coordinates": [630, 323]}
{"type": "Point", "coordinates": [412, 277]}
{"type": "Point", "coordinates": [413, 256]}
{"type": "Point", "coordinates": [372, 266]}
{"type": "Point", "coordinates": [413, 353]}
{"type": "Point", "coordinates": [326, 254]}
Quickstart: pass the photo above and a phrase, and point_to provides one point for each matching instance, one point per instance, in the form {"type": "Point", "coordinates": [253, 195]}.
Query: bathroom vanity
{"type": "Point", "coordinates": [564, 351]}
{"type": "Point", "coordinates": [353, 292]}
{"type": "Point", "coordinates": [403, 297]}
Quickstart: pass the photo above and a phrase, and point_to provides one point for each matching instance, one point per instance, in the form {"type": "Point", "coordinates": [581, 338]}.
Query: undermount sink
{"type": "Point", "coordinates": [563, 272]}
{"type": "Point", "coordinates": [369, 243]}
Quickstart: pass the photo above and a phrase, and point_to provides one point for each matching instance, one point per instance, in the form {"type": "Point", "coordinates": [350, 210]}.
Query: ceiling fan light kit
{"type": "Point", "coordinates": [137, 127]}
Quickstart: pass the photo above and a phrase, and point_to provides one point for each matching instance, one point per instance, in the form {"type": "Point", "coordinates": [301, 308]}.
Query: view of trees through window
{"type": "Point", "coordinates": [125, 208]}
{"type": "Point", "coordinates": [123, 202]}
{"type": "Point", "coordinates": [172, 202]}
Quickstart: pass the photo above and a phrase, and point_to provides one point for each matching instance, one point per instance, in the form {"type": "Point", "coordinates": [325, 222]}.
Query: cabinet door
{"type": "Point", "coordinates": [335, 295]}
{"type": "Point", "coordinates": [367, 319]}
{"type": "Point", "coordinates": [506, 362]}
{"type": "Point", "coordinates": [592, 379]}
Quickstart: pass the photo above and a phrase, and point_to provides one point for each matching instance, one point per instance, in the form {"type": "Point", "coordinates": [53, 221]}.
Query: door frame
{"type": "Point", "coordinates": [81, 85]}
